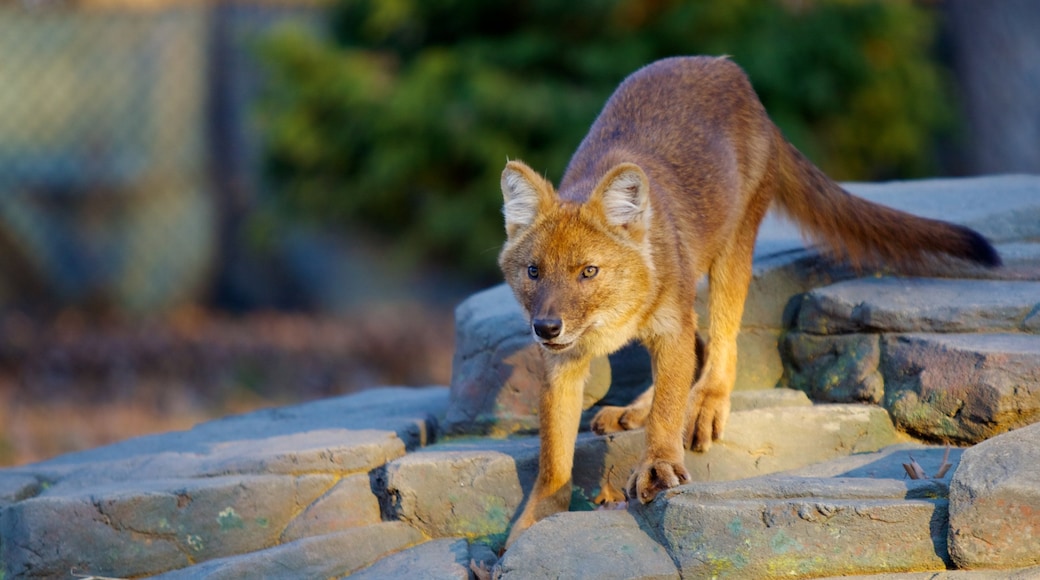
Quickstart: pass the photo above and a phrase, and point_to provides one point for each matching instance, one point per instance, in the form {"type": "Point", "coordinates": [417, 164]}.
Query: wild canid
{"type": "Point", "coordinates": [671, 183]}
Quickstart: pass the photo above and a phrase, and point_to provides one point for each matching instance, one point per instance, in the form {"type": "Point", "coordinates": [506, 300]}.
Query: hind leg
{"type": "Point", "coordinates": [634, 415]}
{"type": "Point", "coordinates": [631, 416]}
{"type": "Point", "coordinates": [708, 404]}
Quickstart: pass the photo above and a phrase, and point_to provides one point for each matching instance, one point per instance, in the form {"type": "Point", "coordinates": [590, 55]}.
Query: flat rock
{"type": "Point", "coordinates": [445, 559]}
{"type": "Point", "coordinates": [776, 527]}
{"type": "Point", "coordinates": [839, 369]}
{"type": "Point", "coordinates": [891, 304]}
{"type": "Point", "coordinates": [751, 446]}
{"type": "Point", "coordinates": [888, 463]}
{"type": "Point", "coordinates": [327, 556]}
{"type": "Point", "coordinates": [15, 487]}
{"type": "Point", "coordinates": [459, 493]}
{"type": "Point", "coordinates": [473, 488]}
{"type": "Point", "coordinates": [350, 503]}
{"type": "Point", "coordinates": [995, 502]}
{"type": "Point", "coordinates": [235, 485]}
{"type": "Point", "coordinates": [961, 387]}
{"type": "Point", "coordinates": [340, 435]}
{"type": "Point", "coordinates": [137, 528]}
{"type": "Point", "coordinates": [957, 387]}
{"type": "Point", "coordinates": [767, 398]}
{"type": "Point", "coordinates": [601, 544]}
{"type": "Point", "coordinates": [1022, 574]}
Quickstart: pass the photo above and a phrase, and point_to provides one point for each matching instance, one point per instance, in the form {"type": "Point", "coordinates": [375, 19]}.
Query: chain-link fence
{"type": "Point", "coordinates": [130, 157]}
{"type": "Point", "coordinates": [125, 131]}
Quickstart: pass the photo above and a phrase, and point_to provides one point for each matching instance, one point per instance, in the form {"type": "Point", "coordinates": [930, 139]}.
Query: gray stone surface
{"type": "Point", "coordinates": [961, 387]}
{"type": "Point", "coordinates": [472, 494]}
{"type": "Point", "coordinates": [763, 441]}
{"type": "Point", "coordinates": [350, 503]}
{"type": "Point", "coordinates": [352, 433]}
{"type": "Point", "coordinates": [17, 486]}
{"type": "Point", "coordinates": [445, 559]}
{"type": "Point", "coordinates": [891, 304]}
{"type": "Point", "coordinates": [327, 556]}
{"type": "Point", "coordinates": [473, 488]}
{"type": "Point", "coordinates": [135, 528]}
{"type": "Point", "coordinates": [602, 544]}
{"type": "Point", "coordinates": [226, 487]}
{"type": "Point", "coordinates": [841, 368]}
{"type": "Point", "coordinates": [1021, 574]}
{"type": "Point", "coordinates": [887, 463]}
{"type": "Point", "coordinates": [791, 527]}
{"type": "Point", "coordinates": [995, 503]}
{"type": "Point", "coordinates": [764, 399]}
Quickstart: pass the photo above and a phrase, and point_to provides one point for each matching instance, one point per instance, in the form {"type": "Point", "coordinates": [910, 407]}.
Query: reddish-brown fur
{"type": "Point", "coordinates": [671, 183]}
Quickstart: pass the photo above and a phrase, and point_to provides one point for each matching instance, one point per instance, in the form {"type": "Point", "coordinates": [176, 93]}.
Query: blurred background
{"type": "Point", "coordinates": [212, 206]}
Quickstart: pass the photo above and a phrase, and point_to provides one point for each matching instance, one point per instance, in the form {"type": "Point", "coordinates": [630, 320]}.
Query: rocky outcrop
{"type": "Point", "coordinates": [796, 490]}
{"type": "Point", "coordinates": [953, 360]}
{"type": "Point", "coordinates": [995, 503]}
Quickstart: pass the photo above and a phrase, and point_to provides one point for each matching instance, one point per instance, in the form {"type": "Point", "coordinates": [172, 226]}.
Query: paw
{"type": "Point", "coordinates": [614, 419]}
{"type": "Point", "coordinates": [654, 477]}
{"type": "Point", "coordinates": [705, 420]}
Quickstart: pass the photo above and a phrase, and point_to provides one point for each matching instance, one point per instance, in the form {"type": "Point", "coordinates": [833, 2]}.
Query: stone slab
{"type": "Point", "coordinates": [473, 488]}
{"type": "Point", "coordinates": [767, 398]}
{"type": "Point", "coordinates": [752, 447]}
{"type": "Point", "coordinates": [15, 487]}
{"type": "Point", "coordinates": [459, 493]}
{"type": "Point", "coordinates": [961, 387]}
{"type": "Point", "coordinates": [446, 559]}
{"type": "Point", "coordinates": [328, 556]}
{"type": "Point", "coordinates": [891, 304]}
{"type": "Point", "coordinates": [888, 463]}
{"type": "Point", "coordinates": [602, 544]}
{"type": "Point", "coordinates": [138, 528]}
{"type": "Point", "coordinates": [338, 435]}
{"type": "Point", "coordinates": [840, 369]}
{"type": "Point", "coordinates": [350, 503]}
{"type": "Point", "coordinates": [995, 502]}
{"type": "Point", "coordinates": [791, 527]}
{"type": "Point", "coordinates": [1020, 574]}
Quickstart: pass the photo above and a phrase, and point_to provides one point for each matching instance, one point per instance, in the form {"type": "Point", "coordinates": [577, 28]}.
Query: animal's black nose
{"type": "Point", "coordinates": [547, 327]}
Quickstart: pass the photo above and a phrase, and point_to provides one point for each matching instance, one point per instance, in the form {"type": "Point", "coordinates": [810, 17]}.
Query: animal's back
{"type": "Point", "coordinates": [675, 117]}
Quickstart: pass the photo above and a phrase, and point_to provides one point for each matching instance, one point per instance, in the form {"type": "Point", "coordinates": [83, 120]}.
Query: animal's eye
{"type": "Point", "coordinates": [532, 272]}
{"type": "Point", "coordinates": [589, 272]}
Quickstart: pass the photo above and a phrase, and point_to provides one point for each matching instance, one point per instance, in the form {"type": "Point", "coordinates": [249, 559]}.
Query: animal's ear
{"type": "Point", "coordinates": [624, 196]}
{"type": "Point", "coordinates": [525, 194]}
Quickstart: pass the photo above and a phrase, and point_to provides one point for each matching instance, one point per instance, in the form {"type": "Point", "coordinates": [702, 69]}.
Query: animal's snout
{"type": "Point", "coordinates": [547, 328]}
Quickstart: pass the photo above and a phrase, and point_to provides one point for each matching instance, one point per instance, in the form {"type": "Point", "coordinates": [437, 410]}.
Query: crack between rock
{"type": "Point", "coordinates": [299, 508]}
{"type": "Point", "coordinates": [171, 536]}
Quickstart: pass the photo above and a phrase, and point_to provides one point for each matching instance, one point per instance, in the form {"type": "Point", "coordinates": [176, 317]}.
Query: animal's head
{"type": "Point", "coordinates": [581, 270]}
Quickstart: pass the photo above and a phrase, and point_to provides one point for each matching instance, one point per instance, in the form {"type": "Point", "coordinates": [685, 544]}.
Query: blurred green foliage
{"type": "Point", "coordinates": [399, 121]}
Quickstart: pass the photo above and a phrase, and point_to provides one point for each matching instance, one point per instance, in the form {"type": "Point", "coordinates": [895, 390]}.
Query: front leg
{"type": "Point", "coordinates": [559, 414]}
{"type": "Point", "coordinates": [674, 360]}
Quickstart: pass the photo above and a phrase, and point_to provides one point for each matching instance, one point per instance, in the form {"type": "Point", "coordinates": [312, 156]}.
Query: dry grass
{"type": "Point", "coordinates": [73, 383]}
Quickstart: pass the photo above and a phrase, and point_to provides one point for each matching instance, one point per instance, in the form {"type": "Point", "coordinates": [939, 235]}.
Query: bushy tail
{"type": "Point", "coordinates": [865, 233]}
